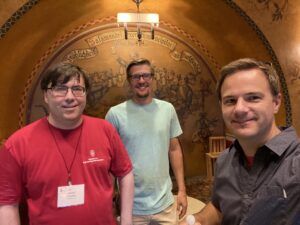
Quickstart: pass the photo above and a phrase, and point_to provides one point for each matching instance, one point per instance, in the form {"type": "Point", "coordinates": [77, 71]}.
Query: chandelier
{"type": "Point", "coordinates": [141, 20]}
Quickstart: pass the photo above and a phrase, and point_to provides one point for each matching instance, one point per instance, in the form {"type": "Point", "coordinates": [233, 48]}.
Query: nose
{"type": "Point", "coordinates": [141, 79]}
{"type": "Point", "coordinates": [240, 106]}
{"type": "Point", "coordinates": [69, 94]}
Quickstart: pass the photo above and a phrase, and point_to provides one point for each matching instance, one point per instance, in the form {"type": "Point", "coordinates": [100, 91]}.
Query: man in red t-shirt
{"type": "Point", "coordinates": [63, 164]}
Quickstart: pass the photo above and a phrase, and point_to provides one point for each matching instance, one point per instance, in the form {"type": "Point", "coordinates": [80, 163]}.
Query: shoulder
{"type": "Point", "coordinates": [90, 120]}
{"type": "Point", "coordinates": [289, 134]}
{"type": "Point", "coordinates": [119, 107]}
{"type": "Point", "coordinates": [285, 143]}
{"type": "Point", "coordinates": [29, 135]}
{"type": "Point", "coordinates": [30, 129]}
{"type": "Point", "coordinates": [291, 139]}
{"type": "Point", "coordinates": [162, 103]}
{"type": "Point", "coordinates": [97, 123]}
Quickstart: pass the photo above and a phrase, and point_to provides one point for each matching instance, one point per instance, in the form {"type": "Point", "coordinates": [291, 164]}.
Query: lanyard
{"type": "Point", "coordinates": [69, 169]}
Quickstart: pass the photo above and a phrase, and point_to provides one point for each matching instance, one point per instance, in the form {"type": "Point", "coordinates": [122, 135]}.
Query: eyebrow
{"type": "Point", "coordinates": [246, 94]}
{"type": "Point", "coordinates": [255, 93]}
{"type": "Point", "coordinates": [141, 73]}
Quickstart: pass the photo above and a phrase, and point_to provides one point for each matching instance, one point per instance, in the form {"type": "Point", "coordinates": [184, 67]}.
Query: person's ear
{"type": "Point", "coordinates": [277, 102]}
{"type": "Point", "coordinates": [45, 97]}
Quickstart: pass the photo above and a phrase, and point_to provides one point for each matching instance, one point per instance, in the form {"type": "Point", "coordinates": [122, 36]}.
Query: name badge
{"type": "Point", "coordinates": [70, 195]}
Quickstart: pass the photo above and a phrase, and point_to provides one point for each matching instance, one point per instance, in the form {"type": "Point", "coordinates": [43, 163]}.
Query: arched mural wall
{"type": "Point", "coordinates": [182, 77]}
{"type": "Point", "coordinates": [191, 45]}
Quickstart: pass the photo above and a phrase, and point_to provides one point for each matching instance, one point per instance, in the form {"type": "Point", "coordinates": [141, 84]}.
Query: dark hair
{"type": "Point", "coordinates": [137, 63]}
{"type": "Point", "coordinates": [247, 64]}
{"type": "Point", "coordinates": [61, 73]}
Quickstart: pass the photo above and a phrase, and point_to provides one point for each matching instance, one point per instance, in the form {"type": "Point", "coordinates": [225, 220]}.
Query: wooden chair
{"type": "Point", "coordinates": [216, 145]}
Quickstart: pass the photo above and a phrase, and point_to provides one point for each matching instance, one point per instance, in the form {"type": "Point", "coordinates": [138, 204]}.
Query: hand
{"type": "Point", "coordinates": [181, 203]}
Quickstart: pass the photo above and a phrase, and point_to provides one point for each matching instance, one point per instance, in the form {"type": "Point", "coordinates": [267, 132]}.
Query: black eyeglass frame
{"type": "Point", "coordinates": [137, 76]}
{"type": "Point", "coordinates": [64, 90]}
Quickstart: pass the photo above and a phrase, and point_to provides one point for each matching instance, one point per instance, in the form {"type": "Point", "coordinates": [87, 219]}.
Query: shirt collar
{"type": "Point", "coordinates": [277, 144]}
{"type": "Point", "coordinates": [282, 141]}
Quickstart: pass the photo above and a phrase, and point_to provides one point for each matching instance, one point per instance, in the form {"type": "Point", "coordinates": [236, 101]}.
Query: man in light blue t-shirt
{"type": "Point", "coordinates": [149, 128]}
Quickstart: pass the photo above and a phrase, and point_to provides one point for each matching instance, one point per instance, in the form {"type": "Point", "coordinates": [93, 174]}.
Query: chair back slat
{"type": "Point", "coordinates": [217, 144]}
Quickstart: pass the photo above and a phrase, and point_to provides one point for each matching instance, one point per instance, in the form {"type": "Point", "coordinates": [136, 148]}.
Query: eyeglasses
{"type": "Point", "coordinates": [61, 91]}
{"type": "Point", "coordinates": [145, 76]}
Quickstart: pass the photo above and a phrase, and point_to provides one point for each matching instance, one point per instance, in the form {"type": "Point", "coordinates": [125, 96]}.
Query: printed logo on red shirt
{"type": "Point", "coordinates": [92, 158]}
{"type": "Point", "coordinates": [92, 153]}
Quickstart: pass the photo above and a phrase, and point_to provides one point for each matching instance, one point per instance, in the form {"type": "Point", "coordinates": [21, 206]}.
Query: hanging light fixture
{"type": "Point", "coordinates": [150, 19]}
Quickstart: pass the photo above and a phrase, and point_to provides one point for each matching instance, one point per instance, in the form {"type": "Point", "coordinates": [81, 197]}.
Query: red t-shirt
{"type": "Point", "coordinates": [32, 166]}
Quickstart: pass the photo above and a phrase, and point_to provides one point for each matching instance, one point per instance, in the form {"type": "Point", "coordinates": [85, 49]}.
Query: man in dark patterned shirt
{"type": "Point", "coordinates": [257, 179]}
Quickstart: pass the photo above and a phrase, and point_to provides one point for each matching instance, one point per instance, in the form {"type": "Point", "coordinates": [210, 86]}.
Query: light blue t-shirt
{"type": "Point", "coordinates": [146, 131]}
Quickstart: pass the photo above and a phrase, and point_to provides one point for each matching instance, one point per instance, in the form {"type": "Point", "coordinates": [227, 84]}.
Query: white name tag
{"type": "Point", "coordinates": [70, 195]}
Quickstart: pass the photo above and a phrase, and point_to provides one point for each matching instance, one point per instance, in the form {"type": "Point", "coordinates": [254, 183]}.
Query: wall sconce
{"type": "Point", "coordinates": [139, 19]}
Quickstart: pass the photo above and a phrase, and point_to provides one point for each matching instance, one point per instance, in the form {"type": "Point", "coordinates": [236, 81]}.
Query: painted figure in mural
{"type": "Point", "coordinates": [63, 164]}
{"type": "Point", "coordinates": [257, 178]}
{"type": "Point", "coordinates": [149, 128]}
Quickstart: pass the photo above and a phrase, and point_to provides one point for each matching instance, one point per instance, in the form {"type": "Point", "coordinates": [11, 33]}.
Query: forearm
{"type": "Point", "coordinates": [9, 215]}
{"type": "Point", "coordinates": [176, 160]}
{"type": "Point", "coordinates": [209, 215]}
{"type": "Point", "coordinates": [127, 190]}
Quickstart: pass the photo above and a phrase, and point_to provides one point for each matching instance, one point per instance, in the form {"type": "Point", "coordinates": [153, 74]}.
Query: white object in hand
{"type": "Point", "coordinates": [190, 219]}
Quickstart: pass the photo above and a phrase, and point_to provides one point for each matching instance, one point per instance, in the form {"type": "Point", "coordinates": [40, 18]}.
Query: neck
{"type": "Point", "coordinates": [249, 148]}
{"type": "Point", "coordinates": [142, 101]}
{"type": "Point", "coordinates": [65, 125]}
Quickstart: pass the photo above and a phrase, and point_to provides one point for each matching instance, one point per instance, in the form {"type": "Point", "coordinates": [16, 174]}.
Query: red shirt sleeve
{"type": "Point", "coordinates": [10, 178]}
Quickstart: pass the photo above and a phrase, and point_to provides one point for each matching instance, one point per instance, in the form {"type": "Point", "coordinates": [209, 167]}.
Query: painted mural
{"type": "Point", "coordinates": [275, 8]}
{"type": "Point", "coordinates": [181, 77]}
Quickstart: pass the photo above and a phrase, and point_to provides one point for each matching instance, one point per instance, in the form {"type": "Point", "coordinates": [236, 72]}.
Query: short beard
{"type": "Point", "coordinates": [142, 96]}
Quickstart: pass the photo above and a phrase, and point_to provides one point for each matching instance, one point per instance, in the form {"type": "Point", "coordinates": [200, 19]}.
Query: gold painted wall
{"type": "Point", "coordinates": [280, 22]}
{"type": "Point", "coordinates": [9, 7]}
{"type": "Point", "coordinates": [215, 30]}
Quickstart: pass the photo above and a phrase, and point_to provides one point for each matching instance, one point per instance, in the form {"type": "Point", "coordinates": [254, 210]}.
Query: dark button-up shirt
{"type": "Point", "coordinates": [266, 194]}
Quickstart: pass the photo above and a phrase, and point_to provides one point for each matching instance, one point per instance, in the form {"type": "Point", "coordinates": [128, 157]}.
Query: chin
{"type": "Point", "coordinates": [72, 117]}
{"type": "Point", "coordinates": [142, 96]}
{"type": "Point", "coordinates": [246, 135]}
{"type": "Point", "coordinates": [243, 132]}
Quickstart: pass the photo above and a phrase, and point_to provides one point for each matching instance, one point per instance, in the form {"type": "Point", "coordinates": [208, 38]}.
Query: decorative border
{"type": "Point", "coordinates": [274, 58]}
{"type": "Point", "coordinates": [16, 16]}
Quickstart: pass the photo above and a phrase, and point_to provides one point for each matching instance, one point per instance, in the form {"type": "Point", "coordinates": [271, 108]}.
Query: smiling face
{"type": "Point", "coordinates": [248, 106]}
{"type": "Point", "coordinates": [141, 87]}
{"type": "Point", "coordinates": [65, 112]}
